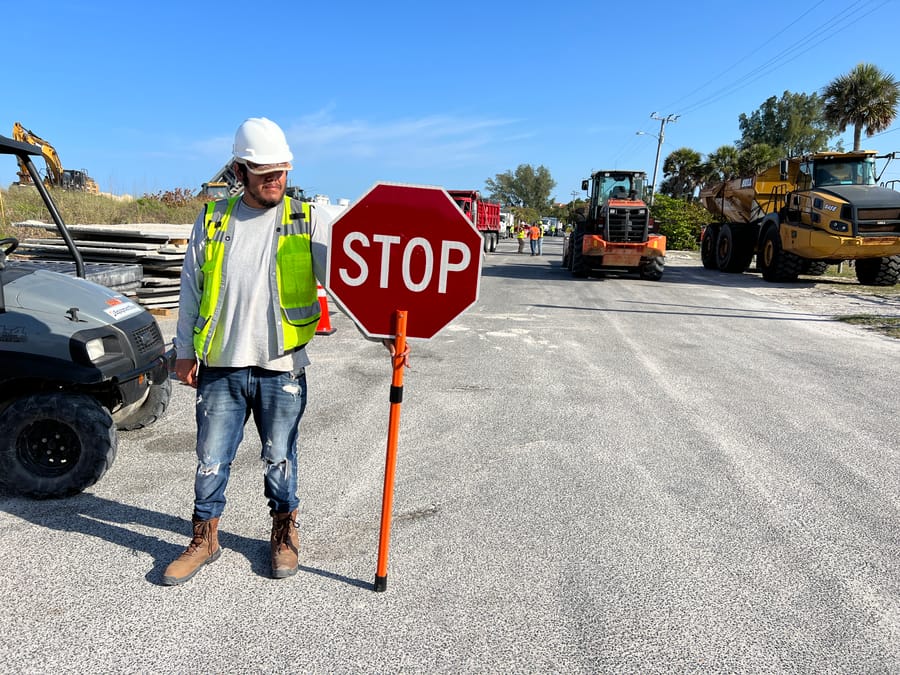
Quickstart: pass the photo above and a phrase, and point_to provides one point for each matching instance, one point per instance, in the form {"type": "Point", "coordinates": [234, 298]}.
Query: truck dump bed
{"type": "Point", "coordinates": [745, 200]}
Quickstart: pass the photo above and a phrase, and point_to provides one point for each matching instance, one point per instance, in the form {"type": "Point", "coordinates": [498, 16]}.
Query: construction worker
{"type": "Point", "coordinates": [536, 233]}
{"type": "Point", "coordinates": [521, 235]}
{"type": "Point", "coordinates": [248, 307]}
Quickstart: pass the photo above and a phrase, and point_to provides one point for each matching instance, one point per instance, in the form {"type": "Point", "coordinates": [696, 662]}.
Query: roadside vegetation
{"type": "Point", "coordinates": [19, 204]}
{"type": "Point", "coordinates": [886, 325]}
{"type": "Point", "coordinates": [841, 280]}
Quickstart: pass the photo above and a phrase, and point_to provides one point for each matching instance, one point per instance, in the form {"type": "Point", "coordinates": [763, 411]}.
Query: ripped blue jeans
{"type": "Point", "coordinates": [226, 397]}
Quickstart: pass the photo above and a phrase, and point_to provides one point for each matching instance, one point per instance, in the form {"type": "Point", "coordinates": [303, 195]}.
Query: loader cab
{"type": "Point", "coordinates": [843, 171]}
{"type": "Point", "coordinates": [610, 185]}
{"type": "Point", "coordinates": [617, 209]}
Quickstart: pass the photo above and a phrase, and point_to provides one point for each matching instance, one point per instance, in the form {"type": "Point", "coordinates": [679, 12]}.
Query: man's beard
{"type": "Point", "coordinates": [265, 202]}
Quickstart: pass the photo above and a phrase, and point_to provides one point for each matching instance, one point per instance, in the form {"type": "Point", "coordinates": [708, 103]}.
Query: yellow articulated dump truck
{"type": "Point", "coordinates": [804, 214]}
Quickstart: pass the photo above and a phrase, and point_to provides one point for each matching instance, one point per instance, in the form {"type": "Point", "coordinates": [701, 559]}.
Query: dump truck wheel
{"type": "Point", "coordinates": [653, 269]}
{"type": "Point", "coordinates": [579, 269]}
{"type": "Point", "coordinates": [55, 445]}
{"type": "Point", "coordinates": [878, 271]}
{"type": "Point", "coordinates": [494, 239]}
{"type": "Point", "coordinates": [725, 249]}
{"type": "Point", "coordinates": [774, 262]}
{"type": "Point", "coordinates": [152, 409]}
{"type": "Point", "coordinates": [733, 250]}
{"type": "Point", "coordinates": [708, 247]}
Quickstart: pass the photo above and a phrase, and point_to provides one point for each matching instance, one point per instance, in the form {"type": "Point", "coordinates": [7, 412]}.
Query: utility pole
{"type": "Point", "coordinates": [662, 136]}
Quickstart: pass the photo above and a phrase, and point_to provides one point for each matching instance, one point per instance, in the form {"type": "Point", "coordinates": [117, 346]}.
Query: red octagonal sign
{"type": "Point", "coordinates": [404, 247]}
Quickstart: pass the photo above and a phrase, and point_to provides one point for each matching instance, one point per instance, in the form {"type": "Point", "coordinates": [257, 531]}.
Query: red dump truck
{"type": "Point", "coordinates": [484, 214]}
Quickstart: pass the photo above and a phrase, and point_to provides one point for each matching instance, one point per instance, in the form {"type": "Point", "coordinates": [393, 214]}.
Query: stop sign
{"type": "Point", "coordinates": [404, 247]}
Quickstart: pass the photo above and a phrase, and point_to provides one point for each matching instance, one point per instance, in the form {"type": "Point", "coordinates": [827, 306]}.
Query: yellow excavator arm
{"type": "Point", "coordinates": [54, 166]}
{"type": "Point", "coordinates": [67, 179]}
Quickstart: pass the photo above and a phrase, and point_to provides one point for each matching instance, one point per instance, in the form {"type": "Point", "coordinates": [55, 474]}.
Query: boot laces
{"type": "Point", "coordinates": [201, 530]}
{"type": "Point", "coordinates": [281, 531]}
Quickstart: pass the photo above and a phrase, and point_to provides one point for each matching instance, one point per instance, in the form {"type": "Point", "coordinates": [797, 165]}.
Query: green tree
{"type": "Point", "coordinates": [557, 211]}
{"type": "Point", "coordinates": [683, 172]}
{"type": "Point", "coordinates": [794, 125]}
{"type": "Point", "coordinates": [865, 97]}
{"type": "Point", "coordinates": [721, 164]}
{"type": "Point", "coordinates": [527, 187]}
{"type": "Point", "coordinates": [525, 214]}
{"type": "Point", "coordinates": [680, 221]}
{"type": "Point", "coordinates": [756, 158]}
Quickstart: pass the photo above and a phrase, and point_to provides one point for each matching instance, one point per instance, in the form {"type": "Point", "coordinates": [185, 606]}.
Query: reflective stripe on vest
{"type": "Point", "coordinates": [298, 309]}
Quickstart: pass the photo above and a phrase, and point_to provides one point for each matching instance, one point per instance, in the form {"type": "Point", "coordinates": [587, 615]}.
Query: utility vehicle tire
{"type": "Point", "coordinates": [878, 271]}
{"type": "Point", "coordinates": [774, 262]}
{"type": "Point", "coordinates": [55, 445]}
{"type": "Point", "coordinates": [814, 268]}
{"type": "Point", "coordinates": [708, 247]}
{"type": "Point", "coordinates": [152, 409]}
{"type": "Point", "coordinates": [652, 270]}
{"type": "Point", "coordinates": [579, 269]}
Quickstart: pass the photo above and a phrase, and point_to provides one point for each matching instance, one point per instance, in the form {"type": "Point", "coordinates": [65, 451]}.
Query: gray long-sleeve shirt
{"type": "Point", "coordinates": [245, 334]}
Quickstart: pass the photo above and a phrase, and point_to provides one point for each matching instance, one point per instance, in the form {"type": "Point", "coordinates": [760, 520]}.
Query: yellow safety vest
{"type": "Point", "coordinates": [298, 310]}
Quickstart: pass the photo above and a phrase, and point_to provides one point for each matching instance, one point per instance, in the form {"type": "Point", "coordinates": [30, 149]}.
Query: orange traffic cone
{"type": "Point", "coordinates": [324, 327]}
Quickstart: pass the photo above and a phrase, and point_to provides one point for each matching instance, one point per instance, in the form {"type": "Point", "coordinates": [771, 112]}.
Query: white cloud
{"type": "Point", "coordinates": [434, 140]}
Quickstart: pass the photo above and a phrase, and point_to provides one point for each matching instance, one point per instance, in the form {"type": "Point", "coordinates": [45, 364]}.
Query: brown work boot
{"type": "Point", "coordinates": [285, 544]}
{"type": "Point", "coordinates": [203, 549]}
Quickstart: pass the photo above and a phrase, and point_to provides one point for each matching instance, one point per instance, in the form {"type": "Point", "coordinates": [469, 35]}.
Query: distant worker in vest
{"type": "Point", "coordinates": [248, 306]}
{"type": "Point", "coordinates": [521, 236]}
{"type": "Point", "coordinates": [536, 232]}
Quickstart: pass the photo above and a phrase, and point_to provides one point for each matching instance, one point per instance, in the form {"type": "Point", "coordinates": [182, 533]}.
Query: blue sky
{"type": "Point", "coordinates": [147, 96]}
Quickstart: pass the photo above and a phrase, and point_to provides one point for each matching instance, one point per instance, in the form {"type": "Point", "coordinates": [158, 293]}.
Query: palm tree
{"type": "Point", "coordinates": [865, 97]}
{"type": "Point", "coordinates": [682, 172]}
{"type": "Point", "coordinates": [721, 164]}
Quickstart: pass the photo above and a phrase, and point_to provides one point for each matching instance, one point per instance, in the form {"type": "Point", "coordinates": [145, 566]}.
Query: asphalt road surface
{"type": "Point", "coordinates": [599, 475]}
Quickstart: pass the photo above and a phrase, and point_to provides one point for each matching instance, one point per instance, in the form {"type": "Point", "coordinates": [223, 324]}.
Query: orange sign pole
{"type": "Point", "coordinates": [391, 459]}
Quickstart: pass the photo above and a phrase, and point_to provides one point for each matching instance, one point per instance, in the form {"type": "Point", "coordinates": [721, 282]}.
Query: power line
{"type": "Point", "coordinates": [800, 45]}
{"type": "Point", "coordinates": [740, 61]}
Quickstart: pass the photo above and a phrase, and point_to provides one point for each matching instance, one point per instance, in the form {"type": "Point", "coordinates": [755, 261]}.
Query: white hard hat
{"type": "Point", "coordinates": [261, 141]}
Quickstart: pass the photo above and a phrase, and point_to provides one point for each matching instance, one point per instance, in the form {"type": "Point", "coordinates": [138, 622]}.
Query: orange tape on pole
{"type": "Point", "coordinates": [391, 457]}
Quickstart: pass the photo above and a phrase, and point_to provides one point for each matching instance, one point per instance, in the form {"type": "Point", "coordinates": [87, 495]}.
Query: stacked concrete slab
{"type": "Point", "coordinates": [116, 251]}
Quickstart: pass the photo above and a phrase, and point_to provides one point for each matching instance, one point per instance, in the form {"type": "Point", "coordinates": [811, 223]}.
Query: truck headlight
{"type": "Point", "coordinates": [95, 349]}
{"type": "Point", "coordinates": [839, 226]}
